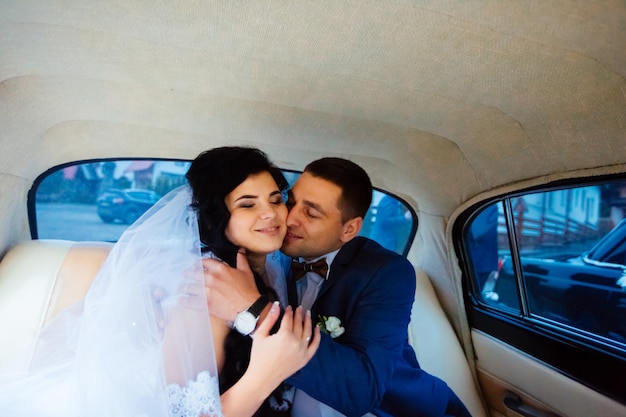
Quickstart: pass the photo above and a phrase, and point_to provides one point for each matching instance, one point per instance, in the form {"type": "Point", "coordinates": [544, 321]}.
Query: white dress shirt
{"type": "Point", "coordinates": [308, 288]}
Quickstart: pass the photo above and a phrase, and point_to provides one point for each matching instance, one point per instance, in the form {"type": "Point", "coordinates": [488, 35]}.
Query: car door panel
{"type": "Point", "coordinates": [504, 369]}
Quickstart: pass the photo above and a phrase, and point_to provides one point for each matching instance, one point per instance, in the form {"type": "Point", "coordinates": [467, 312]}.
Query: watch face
{"type": "Point", "coordinates": [245, 322]}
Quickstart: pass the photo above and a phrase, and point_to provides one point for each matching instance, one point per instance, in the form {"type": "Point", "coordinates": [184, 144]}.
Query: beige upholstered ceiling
{"type": "Point", "coordinates": [456, 96]}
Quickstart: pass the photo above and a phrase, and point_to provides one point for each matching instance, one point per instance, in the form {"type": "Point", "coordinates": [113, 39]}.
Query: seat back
{"type": "Point", "coordinates": [38, 279]}
{"type": "Point", "coordinates": [437, 348]}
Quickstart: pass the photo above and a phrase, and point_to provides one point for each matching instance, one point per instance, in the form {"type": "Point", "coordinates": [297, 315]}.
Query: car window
{"type": "Point", "coordinates": [556, 258]}
{"type": "Point", "coordinates": [98, 200]}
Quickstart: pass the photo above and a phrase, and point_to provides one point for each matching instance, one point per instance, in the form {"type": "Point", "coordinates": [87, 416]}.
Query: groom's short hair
{"type": "Point", "coordinates": [356, 187]}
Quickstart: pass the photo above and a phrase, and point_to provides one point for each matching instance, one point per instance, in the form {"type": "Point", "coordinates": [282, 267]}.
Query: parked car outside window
{"type": "Point", "coordinates": [125, 205]}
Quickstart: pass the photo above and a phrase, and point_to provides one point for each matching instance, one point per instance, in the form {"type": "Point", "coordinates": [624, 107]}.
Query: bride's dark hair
{"type": "Point", "coordinates": [212, 176]}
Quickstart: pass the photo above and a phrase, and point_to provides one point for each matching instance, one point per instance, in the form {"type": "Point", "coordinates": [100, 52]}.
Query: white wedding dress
{"type": "Point", "coordinates": [129, 348]}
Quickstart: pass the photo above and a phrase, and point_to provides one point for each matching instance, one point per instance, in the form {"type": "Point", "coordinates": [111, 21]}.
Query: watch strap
{"type": "Point", "coordinates": [257, 307]}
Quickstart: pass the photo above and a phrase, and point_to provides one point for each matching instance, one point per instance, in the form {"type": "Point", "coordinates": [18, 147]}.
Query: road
{"type": "Point", "coordinates": [75, 222]}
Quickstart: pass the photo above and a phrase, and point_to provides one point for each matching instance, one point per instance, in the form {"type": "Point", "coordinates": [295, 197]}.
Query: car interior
{"type": "Point", "coordinates": [498, 128]}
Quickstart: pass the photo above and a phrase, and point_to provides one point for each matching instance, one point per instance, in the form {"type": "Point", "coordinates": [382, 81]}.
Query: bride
{"type": "Point", "coordinates": [142, 342]}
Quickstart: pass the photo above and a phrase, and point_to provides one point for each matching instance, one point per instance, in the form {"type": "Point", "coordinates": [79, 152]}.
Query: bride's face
{"type": "Point", "coordinates": [257, 215]}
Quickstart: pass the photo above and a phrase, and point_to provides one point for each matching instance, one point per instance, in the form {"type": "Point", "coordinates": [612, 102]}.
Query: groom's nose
{"type": "Point", "coordinates": [292, 216]}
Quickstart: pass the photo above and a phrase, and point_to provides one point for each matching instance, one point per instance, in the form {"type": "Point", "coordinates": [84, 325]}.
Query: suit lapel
{"type": "Point", "coordinates": [341, 263]}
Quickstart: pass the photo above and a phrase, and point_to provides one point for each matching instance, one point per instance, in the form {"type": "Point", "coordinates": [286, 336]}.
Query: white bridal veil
{"type": "Point", "coordinates": [129, 349]}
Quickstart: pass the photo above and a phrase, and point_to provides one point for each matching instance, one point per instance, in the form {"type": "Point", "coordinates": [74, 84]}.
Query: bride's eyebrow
{"type": "Point", "coordinates": [249, 196]}
{"type": "Point", "coordinates": [246, 196]}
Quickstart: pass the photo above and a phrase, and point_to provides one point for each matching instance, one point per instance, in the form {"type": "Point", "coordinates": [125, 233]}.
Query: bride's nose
{"type": "Point", "coordinates": [268, 212]}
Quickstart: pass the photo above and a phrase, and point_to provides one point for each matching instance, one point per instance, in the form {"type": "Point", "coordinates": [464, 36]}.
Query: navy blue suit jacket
{"type": "Point", "coordinates": [371, 367]}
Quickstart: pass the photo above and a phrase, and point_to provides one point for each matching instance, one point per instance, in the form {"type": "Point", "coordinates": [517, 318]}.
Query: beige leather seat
{"type": "Point", "coordinates": [41, 277]}
{"type": "Point", "coordinates": [437, 347]}
{"type": "Point", "coordinates": [38, 279]}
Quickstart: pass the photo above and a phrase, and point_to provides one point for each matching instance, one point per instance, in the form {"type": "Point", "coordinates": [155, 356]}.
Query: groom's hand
{"type": "Point", "coordinates": [229, 290]}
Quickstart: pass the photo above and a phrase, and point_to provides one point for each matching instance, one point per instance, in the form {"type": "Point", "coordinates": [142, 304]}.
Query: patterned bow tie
{"type": "Point", "coordinates": [299, 269]}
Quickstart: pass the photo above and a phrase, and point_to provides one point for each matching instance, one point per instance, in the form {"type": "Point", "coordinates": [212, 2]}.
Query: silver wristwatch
{"type": "Point", "coordinates": [245, 322]}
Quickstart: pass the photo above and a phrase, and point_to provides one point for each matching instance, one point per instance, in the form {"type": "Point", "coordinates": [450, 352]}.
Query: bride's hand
{"type": "Point", "coordinates": [229, 290]}
{"type": "Point", "coordinates": [276, 357]}
{"type": "Point", "coordinates": [224, 290]}
{"type": "Point", "coordinates": [273, 359]}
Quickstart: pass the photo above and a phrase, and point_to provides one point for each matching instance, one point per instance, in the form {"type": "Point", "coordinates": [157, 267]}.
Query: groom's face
{"type": "Point", "coordinates": [314, 223]}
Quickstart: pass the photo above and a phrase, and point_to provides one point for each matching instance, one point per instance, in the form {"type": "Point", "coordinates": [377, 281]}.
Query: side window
{"type": "Point", "coordinates": [390, 222]}
{"type": "Point", "coordinates": [554, 258]}
{"type": "Point", "coordinates": [98, 200]}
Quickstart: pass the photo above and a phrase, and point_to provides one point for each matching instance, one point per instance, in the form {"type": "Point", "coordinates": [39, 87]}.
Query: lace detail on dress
{"type": "Point", "coordinates": [200, 398]}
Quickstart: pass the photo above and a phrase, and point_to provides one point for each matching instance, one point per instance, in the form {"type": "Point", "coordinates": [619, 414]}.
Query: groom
{"type": "Point", "coordinates": [363, 301]}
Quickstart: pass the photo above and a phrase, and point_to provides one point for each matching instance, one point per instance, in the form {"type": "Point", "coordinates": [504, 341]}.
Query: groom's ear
{"type": "Point", "coordinates": [351, 229]}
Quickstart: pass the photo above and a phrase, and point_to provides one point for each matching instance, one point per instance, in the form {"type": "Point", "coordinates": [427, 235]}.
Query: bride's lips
{"type": "Point", "coordinates": [270, 231]}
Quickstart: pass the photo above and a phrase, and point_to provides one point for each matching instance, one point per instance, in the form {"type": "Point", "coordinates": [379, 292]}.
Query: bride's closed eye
{"type": "Point", "coordinates": [246, 203]}
{"type": "Point", "coordinates": [277, 199]}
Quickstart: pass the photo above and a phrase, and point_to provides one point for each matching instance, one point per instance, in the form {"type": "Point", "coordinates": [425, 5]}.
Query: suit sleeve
{"type": "Point", "coordinates": [350, 373]}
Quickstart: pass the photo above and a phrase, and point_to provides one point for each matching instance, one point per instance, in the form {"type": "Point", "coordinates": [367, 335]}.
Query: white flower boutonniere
{"type": "Point", "coordinates": [331, 325]}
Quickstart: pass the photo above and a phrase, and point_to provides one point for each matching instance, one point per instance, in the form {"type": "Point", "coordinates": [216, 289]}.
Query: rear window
{"type": "Point", "coordinates": [98, 200]}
